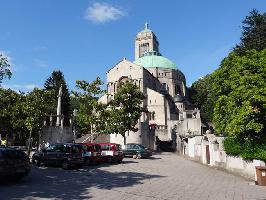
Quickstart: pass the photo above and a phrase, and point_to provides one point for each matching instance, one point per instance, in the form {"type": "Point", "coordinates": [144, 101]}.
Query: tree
{"type": "Point", "coordinates": [203, 97]}
{"type": "Point", "coordinates": [86, 101]}
{"type": "Point", "coordinates": [12, 115]}
{"type": "Point", "coordinates": [240, 111]}
{"type": "Point", "coordinates": [53, 84]}
{"type": "Point", "coordinates": [253, 33]}
{"type": "Point", "coordinates": [237, 92]}
{"type": "Point", "coordinates": [253, 37]}
{"type": "Point", "coordinates": [125, 109]}
{"type": "Point", "coordinates": [4, 68]}
{"type": "Point", "coordinates": [36, 107]}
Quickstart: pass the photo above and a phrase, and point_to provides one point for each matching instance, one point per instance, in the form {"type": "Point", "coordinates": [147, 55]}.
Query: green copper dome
{"type": "Point", "coordinates": [152, 59]}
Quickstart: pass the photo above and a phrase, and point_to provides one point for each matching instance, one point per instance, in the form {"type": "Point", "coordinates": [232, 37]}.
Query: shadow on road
{"type": "Point", "coordinates": [56, 183]}
{"type": "Point", "coordinates": [129, 161]}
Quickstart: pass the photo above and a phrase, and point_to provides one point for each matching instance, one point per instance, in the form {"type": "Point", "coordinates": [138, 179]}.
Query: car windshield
{"type": "Point", "coordinates": [142, 147]}
{"type": "Point", "coordinates": [13, 154]}
{"type": "Point", "coordinates": [76, 149]}
{"type": "Point", "coordinates": [87, 148]}
{"type": "Point", "coordinates": [97, 147]}
{"type": "Point", "coordinates": [105, 147]}
{"type": "Point", "coordinates": [50, 147]}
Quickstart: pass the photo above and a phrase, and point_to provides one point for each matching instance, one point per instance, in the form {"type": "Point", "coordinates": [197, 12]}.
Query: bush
{"type": "Point", "coordinates": [248, 150]}
{"type": "Point", "coordinates": [232, 147]}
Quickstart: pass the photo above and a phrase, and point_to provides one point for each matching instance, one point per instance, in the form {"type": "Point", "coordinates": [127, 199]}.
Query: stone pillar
{"type": "Point", "coordinates": [62, 121]}
{"type": "Point", "coordinates": [51, 120]}
{"type": "Point", "coordinates": [58, 111]}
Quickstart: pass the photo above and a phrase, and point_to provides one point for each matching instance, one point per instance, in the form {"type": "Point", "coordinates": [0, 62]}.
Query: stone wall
{"type": "Point", "coordinates": [55, 134]}
{"type": "Point", "coordinates": [208, 149]}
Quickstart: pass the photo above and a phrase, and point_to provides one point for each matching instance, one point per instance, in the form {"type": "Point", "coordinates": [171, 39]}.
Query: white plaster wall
{"type": "Point", "coordinates": [156, 103]}
{"type": "Point", "coordinates": [194, 146]}
{"type": "Point", "coordinates": [240, 166]}
{"type": "Point", "coordinates": [219, 158]}
{"type": "Point", "coordinates": [132, 137]}
{"type": "Point", "coordinates": [142, 136]}
{"type": "Point", "coordinates": [191, 147]}
{"type": "Point", "coordinates": [189, 124]}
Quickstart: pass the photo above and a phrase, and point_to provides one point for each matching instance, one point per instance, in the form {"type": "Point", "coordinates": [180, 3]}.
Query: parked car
{"type": "Point", "coordinates": [91, 153]}
{"type": "Point", "coordinates": [111, 152]}
{"type": "Point", "coordinates": [14, 163]}
{"type": "Point", "coordinates": [136, 151]}
{"type": "Point", "coordinates": [64, 155]}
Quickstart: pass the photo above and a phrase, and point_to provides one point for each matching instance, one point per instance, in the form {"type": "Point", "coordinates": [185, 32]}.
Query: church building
{"type": "Point", "coordinates": [169, 112]}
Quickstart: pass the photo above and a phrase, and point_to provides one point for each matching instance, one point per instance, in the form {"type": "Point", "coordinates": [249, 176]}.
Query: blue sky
{"type": "Point", "coordinates": [85, 38]}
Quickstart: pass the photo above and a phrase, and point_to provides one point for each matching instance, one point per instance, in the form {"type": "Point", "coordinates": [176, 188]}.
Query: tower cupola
{"type": "Point", "coordinates": [146, 41]}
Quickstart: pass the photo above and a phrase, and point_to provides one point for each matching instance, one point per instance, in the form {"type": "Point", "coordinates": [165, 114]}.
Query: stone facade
{"type": "Point", "coordinates": [164, 87]}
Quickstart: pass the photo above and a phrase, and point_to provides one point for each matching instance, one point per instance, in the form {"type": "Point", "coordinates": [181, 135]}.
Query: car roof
{"type": "Point", "coordinates": [88, 144]}
{"type": "Point", "coordinates": [65, 144]}
{"type": "Point", "coordinates": [107, 143]}
{"type": "Point", "coordinates": [9, 148]}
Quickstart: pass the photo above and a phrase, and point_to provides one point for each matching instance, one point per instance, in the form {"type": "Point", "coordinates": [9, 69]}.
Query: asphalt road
{"type": "Point", "coordinates": [164, 176]}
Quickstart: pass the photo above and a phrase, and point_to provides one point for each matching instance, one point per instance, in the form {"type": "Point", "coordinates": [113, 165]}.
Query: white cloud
{"type": "Point", "coordinates": [102, 12]}
{"type": "Point", "coordinates": [20, 87]}
{"type": "Point", "coordinates": [41, 63]}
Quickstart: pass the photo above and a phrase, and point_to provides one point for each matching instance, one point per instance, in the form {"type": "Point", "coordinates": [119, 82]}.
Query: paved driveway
{"type": "Point", "coordinates": [165, 176]}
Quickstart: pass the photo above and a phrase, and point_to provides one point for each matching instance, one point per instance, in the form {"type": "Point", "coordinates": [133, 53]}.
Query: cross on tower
{"type": "Point", "coordinates": [146, 25]}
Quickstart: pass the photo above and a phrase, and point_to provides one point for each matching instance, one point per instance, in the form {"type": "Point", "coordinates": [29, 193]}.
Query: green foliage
{"type": "Point", "coordinates": [248, 149]}
{"type": "Point", "coordinates": [37, 106]}
{"type": "Point", "coordinates": [236, 92]}
{"type": "Point", "coordinates": [12, 115]}
{"type": "Point", "coordinates": [232, 147]}
{"type": "Point", "coordinates": [126, 109]}
{"type": "Point", "coordinates": [203, 97]}
{"type": "Point", "coordinates": [90, 112]}
{"type": "Point", "coordinates": [4, 68]}
{"type": "Point", "coordinates": [23, 113]}
{"type": "Point", "coordinates": [240, 84]}
{"type": "Point", "coordinates": [253, 33]}
{"type": "Point", "coordinates": [53, 84]}
{"type": "Point", "coordinates": [240, 111]}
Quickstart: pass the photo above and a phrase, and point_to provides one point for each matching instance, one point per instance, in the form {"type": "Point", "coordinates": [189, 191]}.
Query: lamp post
{"type": "Point", "coordinates": [75, 114]}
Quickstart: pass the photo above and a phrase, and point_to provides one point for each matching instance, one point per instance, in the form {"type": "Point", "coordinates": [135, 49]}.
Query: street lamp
{"type": "Point", "coordinates": [75, 114]}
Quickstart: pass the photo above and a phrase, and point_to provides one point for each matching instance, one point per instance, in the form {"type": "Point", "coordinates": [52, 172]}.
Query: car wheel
{"type": "Point", "coordinates": [36, 162]}
{"type": "Point", "coordinates": [94, 162]}
{"type": "Point", "coordinates": [119, 161]}
{"type": "Point", "coordinates": [65, 164]}
{"type": "Point", "coordinates": [80, 165]}
{"type": "Point", "coordinates": [109, 160]}
{"type": "Point", "coordinates": [87, 161]}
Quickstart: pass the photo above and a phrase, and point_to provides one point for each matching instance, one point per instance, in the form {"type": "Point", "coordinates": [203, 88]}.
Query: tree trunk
{"type": "Point", "coordinates": [29, 144]}
{"type": "Point", "coordinates": [91, 134]}
{"type": "Point", "coordinates": [125, 139]}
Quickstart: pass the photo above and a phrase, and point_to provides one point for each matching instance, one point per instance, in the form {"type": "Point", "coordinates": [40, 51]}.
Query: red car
{"type": "Point", "coordinates": [111, 152]}
{"type": "Point", "coordinates": [91, 153]}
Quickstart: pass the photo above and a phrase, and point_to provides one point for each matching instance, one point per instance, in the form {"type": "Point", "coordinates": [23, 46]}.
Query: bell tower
{"type": "Point", "coordinates": [145, 41]}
